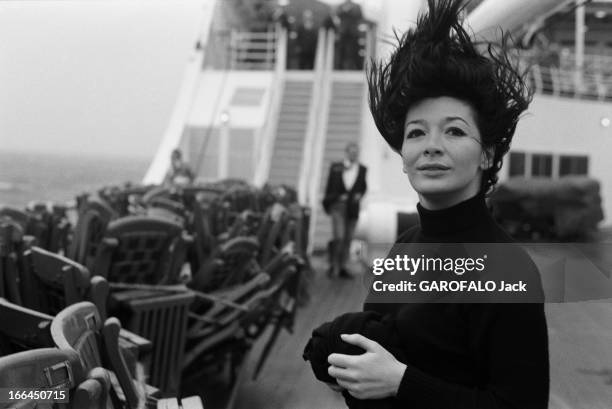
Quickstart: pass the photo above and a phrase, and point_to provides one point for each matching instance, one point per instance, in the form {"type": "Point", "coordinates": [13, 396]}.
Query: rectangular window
{"type": "Point", "coordinates": [517, 164]}
{"type": "Point", "coordinates": [573, 165]}
{"type": "Point", "coordinates": [541, 165]}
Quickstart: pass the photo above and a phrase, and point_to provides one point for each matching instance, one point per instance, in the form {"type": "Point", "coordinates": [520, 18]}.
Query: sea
{"type": "Point", "coordinates": [59, 178]}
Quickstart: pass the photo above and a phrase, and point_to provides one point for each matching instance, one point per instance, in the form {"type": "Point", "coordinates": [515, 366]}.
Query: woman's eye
{"type": "Point", "coordinates": [414, 133]}
{"type": "Point", "coordinates": [456, 131]}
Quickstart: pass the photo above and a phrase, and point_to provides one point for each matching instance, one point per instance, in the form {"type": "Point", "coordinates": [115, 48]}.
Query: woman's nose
{"type": "Point", "coordinates": [433, 144]}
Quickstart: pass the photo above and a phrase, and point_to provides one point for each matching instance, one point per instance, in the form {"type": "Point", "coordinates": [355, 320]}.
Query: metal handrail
{"type": "Point", "coordinates": [320, 135]}
{"type": "Point", "coordinates": [250, 50]}
{"type": "Point", "coordinates": [565, 83]}
{"type": "Point", "coordinates": [267, 135]}
{"type": "Point", "coordinates": [313, 118]}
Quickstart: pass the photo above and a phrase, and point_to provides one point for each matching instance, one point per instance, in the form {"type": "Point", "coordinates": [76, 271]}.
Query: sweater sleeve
{"type": "Point", "coordinates": [512, 343]}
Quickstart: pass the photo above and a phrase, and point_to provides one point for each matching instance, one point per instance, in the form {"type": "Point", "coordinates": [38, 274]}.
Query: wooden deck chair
{"type": "Point", "coordinates": [270, 232]}
{"type": "Point", "coordinates": [50, 282]}
{"type": "Point", "coordinates": [54, 369]}
{"type": "Point", "coordinates": [93, 218]}
{"type": "Point", "coordinates": [80, 329]}
{"type": "Point", "coordinates": [154, 192]}
{"type": "Point", "coordinates": [60, 229]}
{"type": "Point", "coordinates": [224, 334]}
{"type": "Point", "coordinates": [39, 224]}
{"type": "Point", "coordinates": [149, 251]}
{"type": "Point", "coordinates": [228, 265]}
{"type": "Point", "coordinates": [49, 223]}
{"type": "Point", "coordinates": [160, 316]}
{"type": "Point", "coordinates": [202, 195]}
{"type": "Point", "coordinates": [169, 207]}
{"type": "Point", "coordinates": [218, 321]}
{"type": "Point", "coordinates": [286, 270]}
{"type": "Point", "coordinates": [18, 216]}
{"type": "Point", "coordinates": [11, 245]}
{"type": "Point", "coordinates": [204, 240]}
{"type": "Point", "coordinates": [145, 250]}
{"type": "Point", "coordinates": [23, 329]}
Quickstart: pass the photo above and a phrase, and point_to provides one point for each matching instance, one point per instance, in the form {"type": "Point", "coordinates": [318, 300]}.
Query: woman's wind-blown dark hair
{"type": "Point", "coordinates": [439, 58]}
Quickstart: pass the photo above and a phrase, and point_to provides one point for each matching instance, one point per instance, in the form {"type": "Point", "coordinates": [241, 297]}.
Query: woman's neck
{"type": "Point", "coordinates": [445, 200]}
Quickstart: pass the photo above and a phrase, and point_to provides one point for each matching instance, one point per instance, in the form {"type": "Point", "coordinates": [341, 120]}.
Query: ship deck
{"type": "Point", "coordinates": [580, 337]}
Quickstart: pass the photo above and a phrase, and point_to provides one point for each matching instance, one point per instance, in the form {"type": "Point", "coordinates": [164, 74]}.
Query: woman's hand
{"type": "Point", "coordinates": [375, 374]}
{"type": "Point", "coordinates": [334, 387]}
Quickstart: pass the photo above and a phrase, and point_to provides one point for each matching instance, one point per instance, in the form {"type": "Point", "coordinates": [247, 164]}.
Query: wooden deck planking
{"type": "Point", "coordinates": [287, 381]}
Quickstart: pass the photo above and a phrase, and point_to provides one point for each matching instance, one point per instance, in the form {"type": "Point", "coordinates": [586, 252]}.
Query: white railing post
{"type": "Point", "coordinates": [556, 82]}
{"type": "Point", "coordinates": [313, 118]}
{"type": "Point", "coordinates": [321, 135]}
{"type": "Point", "coordinates": [267, 135]}
{"type": "Point", "coordinates": [537, 78]}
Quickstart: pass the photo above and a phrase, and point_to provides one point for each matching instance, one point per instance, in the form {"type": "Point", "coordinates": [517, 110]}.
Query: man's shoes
{"type": "Point", "coordinates": [345, 274]}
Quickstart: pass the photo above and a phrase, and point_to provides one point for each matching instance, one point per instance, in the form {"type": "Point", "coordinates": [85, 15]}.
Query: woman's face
{"type": "Point", "coordinates": [441, 151]}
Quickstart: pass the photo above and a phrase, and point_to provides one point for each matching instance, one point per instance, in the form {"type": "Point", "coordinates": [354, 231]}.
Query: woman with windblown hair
{"type": "Point", "coordinates": [449, 107]}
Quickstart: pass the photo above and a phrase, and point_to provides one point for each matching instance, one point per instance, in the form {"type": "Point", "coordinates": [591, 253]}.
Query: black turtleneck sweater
{"type": "Point", "coordinates": [470, 356]}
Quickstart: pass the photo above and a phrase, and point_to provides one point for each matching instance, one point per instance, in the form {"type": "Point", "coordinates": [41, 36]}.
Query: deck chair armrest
{"type": "Point", "coordinates": [135, 341]}
{"type": "Point", "coordinates": [192, 402]}
{"type": "Point", "coordinates": [135, 349]}
{"type": "Point", "coordinates": [94, 391]}
{"type": "Point", "coordinates": [110, 335]}
{"type": "Point", "coordinates": [168, 403]}
{"type": "Point", "coordinates": [98, 294]}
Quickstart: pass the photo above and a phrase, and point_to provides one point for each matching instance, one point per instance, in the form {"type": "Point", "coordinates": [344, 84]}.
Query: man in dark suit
{"type": "Point", "coordinates": [346, 185]}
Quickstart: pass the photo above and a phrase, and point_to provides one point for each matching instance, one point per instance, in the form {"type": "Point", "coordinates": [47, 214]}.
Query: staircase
{"type": "Point", "coordinates": [290, 133]}
{"type": "Point", "coordinates": [343, 126]}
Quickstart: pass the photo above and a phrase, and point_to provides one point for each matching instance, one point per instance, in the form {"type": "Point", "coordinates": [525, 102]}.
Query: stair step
{"type": "Point", "coordinates": [295, 109]}
{"type": "Point", "coordinates": [290, 134]}
{"type": "Point", "coordinates": [288, 153]}
{"type": "Point", "coordinates": [346, 110]}
{"type": "Point", "coordinates": [295, 144]}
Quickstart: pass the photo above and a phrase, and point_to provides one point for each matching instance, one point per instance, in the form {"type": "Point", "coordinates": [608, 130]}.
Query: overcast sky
{"type": "Point", "coordinates": [94, 76]}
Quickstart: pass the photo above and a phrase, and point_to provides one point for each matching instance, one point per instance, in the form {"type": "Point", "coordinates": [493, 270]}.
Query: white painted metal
{"type": "Point", "coordinates": [490, 16]}
{"type": "Point", "coordinates": [579, 43]}
{"type": "Point", "coordinates": [267, 136]}
{"type": "Point", "coordinates": [172, 136]}
{"type": "Point", "coordinates": [313, 118]}
{"type": "Point", "coordinates": [320, 133]}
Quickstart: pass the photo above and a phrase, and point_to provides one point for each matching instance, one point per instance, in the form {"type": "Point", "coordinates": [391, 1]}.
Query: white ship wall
{"type": "Point", "coordinates": [215, 91]}
{"type": "Point", "coordinates": [563, 126]}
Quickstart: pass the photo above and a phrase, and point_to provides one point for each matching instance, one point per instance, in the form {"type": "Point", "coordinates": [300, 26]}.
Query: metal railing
{"type": "Point", "coordinates": [242, 50]}
{"type": "Point", "coordinates": [570, 83]}
{"type": "Point", "coordinates": [314, 117]}
{"type": "Point", "coordinates": [558, 75]}
{"type": "Point", "coordinates": [268, 131]}
{"type": "Point", "coordinates": [253, 50]}
{"type": "Point", "coordinates": [320, 134]}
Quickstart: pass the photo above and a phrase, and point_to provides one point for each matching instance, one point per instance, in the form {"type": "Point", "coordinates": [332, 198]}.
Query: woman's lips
{"type": "Point", "coordinates": [433, 167]}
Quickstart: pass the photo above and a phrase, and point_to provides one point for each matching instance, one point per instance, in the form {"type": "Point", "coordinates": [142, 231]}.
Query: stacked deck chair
{"type": "Point", "coordinates": [46, 282]}
{"type": "Point", "coordinates": [55, 372]}
{"type": "Point", "coordinates": [142, 258]}
{"type": "Point", "coordinates": [247, 280]}
{"type": "Point", "coordinates": [79, 328]}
